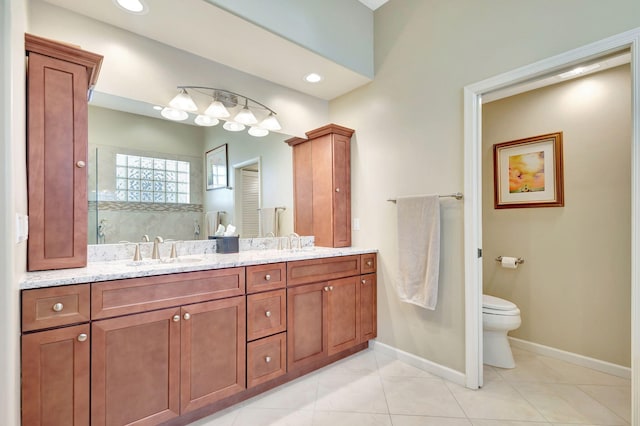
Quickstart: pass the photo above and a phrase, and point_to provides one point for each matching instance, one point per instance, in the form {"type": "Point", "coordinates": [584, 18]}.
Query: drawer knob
{"type": "Point", "coordinates": [58, 307]}
{"type": "Point", "coordinates": [82, 337]}
{"type": "Point", "coordinates": [267, 314]}
{"type": "Point", "coordinates": [369, 263]}
{"type": "Point", "coordinates": [80, 164]}
{"type": "Point", "coordinates": [267, 277]}
{"type": "Point", "coordinates": [267, 359]}
{"type": "Point", "coordinates": [187, 316]}
{"type": "Point", "coordinates": [176, 318]}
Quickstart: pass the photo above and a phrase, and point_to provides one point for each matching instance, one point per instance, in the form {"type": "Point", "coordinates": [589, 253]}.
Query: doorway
{"type": "Point", "coordinates": [473, 193]}
{"type": "Point", "coordinates": [247, 197]}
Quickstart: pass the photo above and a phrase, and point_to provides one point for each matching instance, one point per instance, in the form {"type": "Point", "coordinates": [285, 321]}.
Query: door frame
{"type": "Point", "coordinates": [473, 194]}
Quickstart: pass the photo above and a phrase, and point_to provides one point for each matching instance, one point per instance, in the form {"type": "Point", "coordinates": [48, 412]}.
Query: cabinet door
{"type": "Point", "coordinates": [306, 329]}
{"type": "Point", "coordinates": [57, 156]}
{"type": "Point", "coordinates": [303, 189]}
{"type": "Point", "coordinates": [213, 351]}
{"type": "Point", "coordinates": [55, 377]}
{"type": "Point", "coordinates": [341, 191]}
{"type": "Point", "coordinates": [343, 314]}
{"type": "Point", "coordinates": [135, 369]}
{"type": "Point", "coordinates": [368, 307]}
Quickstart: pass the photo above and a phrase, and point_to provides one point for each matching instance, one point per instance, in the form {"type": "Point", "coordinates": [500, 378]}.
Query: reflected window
{"type": "Point", "coordinates": [151, 180]}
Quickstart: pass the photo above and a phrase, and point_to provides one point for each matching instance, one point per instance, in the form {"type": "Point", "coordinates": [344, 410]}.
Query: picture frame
{"type": "Point", "coordinates": [217, 168]}
{"type": "Point", "coordinates": [529, 172]}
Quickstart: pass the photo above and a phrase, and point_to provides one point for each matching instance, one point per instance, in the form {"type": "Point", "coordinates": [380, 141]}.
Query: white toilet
{"type": "Point", "coordinates": [499, 316]}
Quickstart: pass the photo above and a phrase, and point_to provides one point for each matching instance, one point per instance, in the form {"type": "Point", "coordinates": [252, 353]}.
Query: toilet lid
{"type": "Point", "coordinates": [495, 303]}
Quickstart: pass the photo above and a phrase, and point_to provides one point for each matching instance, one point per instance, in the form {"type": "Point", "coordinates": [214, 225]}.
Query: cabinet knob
{"type": "Point", "coordinates": [80, 164]}
{"type": "Point", "coordinates": [187, 316]}
{"type": "Point", "coordinates": [176, 318]}
{"type": "Point", "coordinates": [364, 281]}
{"type": "Point", "coordinates": [82, 337]}
{"type": "Point", "coordinates": [267, 314]}
{"type": "Point", "coordinates": [326, 288]}
{"type": "Point", "coordinates": [369, 263]}
{"type": "Point", "coordinates": [330, 288]}
{"type": "Point", "coordinates": [337, 189]}
{"type": "Point", "coordinates": [267, 277]}
{"type": "Point", "coordinates": [58, 307]}
{"type": "Point", "coordinates": [267, 359]}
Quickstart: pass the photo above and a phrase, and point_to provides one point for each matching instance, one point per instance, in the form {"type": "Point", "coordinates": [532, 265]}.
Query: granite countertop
{"type": "Point", "coordinates": [119, 269]}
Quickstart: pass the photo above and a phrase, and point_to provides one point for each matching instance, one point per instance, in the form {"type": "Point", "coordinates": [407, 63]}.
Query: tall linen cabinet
{"type": "Point", "coordinates": [322, 185]}
{"type": "Point", "coordinates": [59, 78]}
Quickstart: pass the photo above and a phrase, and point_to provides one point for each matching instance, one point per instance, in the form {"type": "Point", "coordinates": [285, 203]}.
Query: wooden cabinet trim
{"type": "Point", "coordinates": [132, 295]}
{"type": "Point", "coordinates": [39, 310]}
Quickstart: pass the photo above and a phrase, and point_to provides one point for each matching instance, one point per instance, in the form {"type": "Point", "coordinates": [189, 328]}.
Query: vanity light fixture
{"type": "Point", "coordinates": [174, 114]}
{"type": "Point", "coordinates": [579, 70]}
{"type": "Point", "coordinates": [236, 110]}
{"type": "Point", "coordinates": [132, 6]}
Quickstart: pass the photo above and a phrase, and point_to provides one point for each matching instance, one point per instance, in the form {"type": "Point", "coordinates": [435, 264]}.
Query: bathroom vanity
{"type": "Point", "coordinates": [119, 343]}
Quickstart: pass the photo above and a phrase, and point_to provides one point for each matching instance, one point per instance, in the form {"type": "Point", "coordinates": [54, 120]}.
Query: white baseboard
{"type": "Point", "coordinates": [581, 360]}
{"type": "Point", "coordinates": [418, 362]}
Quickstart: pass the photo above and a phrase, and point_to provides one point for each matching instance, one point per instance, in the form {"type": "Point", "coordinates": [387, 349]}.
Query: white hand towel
{"type": "Point", "coordinates": [212, 220]}
{"type": "Point", "coordinates": [268, 219]}
{"type": "Point", "coordinates": [419, 250]}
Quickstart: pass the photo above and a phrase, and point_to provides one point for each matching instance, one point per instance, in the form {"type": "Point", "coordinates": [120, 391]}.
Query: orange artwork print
{"type": "Point", "coordinates": [526, 172]}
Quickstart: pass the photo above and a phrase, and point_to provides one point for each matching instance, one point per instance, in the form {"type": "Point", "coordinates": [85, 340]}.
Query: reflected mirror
{"type": "Point", "coordinates": [147, 177]}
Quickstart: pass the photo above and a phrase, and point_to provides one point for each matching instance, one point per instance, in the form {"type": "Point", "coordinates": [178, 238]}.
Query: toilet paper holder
{"type": "Point", "coordinates": [519, 260]}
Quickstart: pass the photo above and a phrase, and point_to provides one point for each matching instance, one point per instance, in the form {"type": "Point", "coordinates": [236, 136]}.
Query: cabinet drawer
{"type": "Point", "coordinates": [266, 277]}
{"type": "Point", "coordinates": [314, 270]}
{"type": "Point", "coordinates": [266, 359]}
{"type": "Point", "coordinates": [368, 263]}
{"type": "Point", "coordinates": [55, 306]}
{"type": "Point", "coordinates": [121, 297]}
{"type": "Point", "coordinates": [266, 314]}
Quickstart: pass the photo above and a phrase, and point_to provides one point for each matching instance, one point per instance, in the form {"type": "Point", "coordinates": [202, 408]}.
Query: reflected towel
{"type": "Point", "coordinates": [212, 220]}
{"type": "Point", "coordinates": [268, 221]}
{"type": "Point", "coordinates": [419, 250]}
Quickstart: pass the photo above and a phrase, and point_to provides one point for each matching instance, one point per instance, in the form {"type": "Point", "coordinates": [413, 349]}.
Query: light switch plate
{"type": "Point", "coordinates": [356, 224]}
{"type": "Point", "coordinates": [22, 227]}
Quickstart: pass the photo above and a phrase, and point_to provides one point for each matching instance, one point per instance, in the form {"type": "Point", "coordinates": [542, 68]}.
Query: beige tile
{"type": "Point", "coordinates": [300, 394]}
{"type": "Point", "coordinates": [578, 375]}
{"type": "Point", "coordinates": [334, 418]}
{"type": "Point", "coordinates": [273, 417]}
{"type": "Point", "coordinates": [615, 398]}
{"type": "Point", "coordinates": [507, 423]}
{"type": "Point", "coordinates": [529, 368]}
{"type": "Point", "coordinates": [391, 367]}
{"type": "Point", "coordinates": [221, 418]}
{"type": "Point", "coordinates": [497, 401]}
{"type": "Point", "coordinates": [399, 420]}
{"type": "Point", "coordinates": [562, 403]}
{"type": "Point", "coordinates": [362, 364]}
{"type": "Point", "coordinates": [362, 394]}
{"type": "Point", "coordinates": [420, 396]}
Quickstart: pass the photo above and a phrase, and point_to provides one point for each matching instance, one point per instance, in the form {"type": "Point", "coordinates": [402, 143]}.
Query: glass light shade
{"type": "Point", "coordinates": [205, 120]}
{"type": "Point", "coordinates": [271, 123]}
{"type": "Point", "coordinates": [217, 110]}
{"type": "Point", "coordinates": [135, 6]}
{"type": "Point", "coordinates": [258, 132]}
{"type": "Point", "coordinates": [232, 126]}
{"type": "Point", "coordinates": [174, 114]}
{"type": "Point", "coordinates": [245, 116]}
{"type": "Point", "coordinates": [183, 101]}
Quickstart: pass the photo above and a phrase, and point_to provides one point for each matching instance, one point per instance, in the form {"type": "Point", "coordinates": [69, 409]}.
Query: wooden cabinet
{"type": "Point", "coordinates": [55, 379]}
{"type": "Point", "coordinates": [328, 317]}
{"type": "Point", "coordinates": [322, 185]}
{"type": "Point", "coordinates": [58, 80]}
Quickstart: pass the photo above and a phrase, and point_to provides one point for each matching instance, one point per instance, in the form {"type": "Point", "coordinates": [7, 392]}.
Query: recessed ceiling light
{"type": "Point", "coordinates": [157, 107]}
{"type": "Point", "coordinates": [132, 6]}
{"type": "Point", "coordinates": [313, 78]}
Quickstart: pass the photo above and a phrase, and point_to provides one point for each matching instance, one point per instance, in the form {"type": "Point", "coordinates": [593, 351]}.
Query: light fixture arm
{"type": "Point", "coordinates": [213, 90]}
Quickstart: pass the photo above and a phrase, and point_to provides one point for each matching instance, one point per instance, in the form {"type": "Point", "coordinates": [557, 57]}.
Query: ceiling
{"type": "Point", "coordinates": [204, 30]}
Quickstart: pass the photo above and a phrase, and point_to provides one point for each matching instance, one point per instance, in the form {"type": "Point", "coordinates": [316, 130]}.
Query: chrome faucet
{"type": "Point", "coordinates": [145, 238]}
{"type": "Point", "coordinates": [156, 243]}
{"type": "Point", "coordinates": [291, 237]}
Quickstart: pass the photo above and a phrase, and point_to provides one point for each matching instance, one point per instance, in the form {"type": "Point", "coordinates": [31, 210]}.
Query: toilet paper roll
{"type": "Point", "coordinates": [509, 262]}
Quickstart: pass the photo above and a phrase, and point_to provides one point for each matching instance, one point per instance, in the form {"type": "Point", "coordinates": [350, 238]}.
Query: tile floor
{"type": "Point", "coordinates": [370, 388]}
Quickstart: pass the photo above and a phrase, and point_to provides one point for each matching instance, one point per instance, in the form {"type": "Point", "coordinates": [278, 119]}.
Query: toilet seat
{"type": "Point", "coordinates": [495, 306]}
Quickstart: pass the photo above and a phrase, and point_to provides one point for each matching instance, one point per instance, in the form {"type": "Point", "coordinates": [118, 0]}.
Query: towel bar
{"type": "Point", "coordinates": [457, 196]}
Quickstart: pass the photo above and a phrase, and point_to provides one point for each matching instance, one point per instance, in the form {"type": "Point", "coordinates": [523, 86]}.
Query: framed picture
{"type": "Point", "coordinates": [528, 172]}
{"type": "Point", "coordinates": [216, 165]}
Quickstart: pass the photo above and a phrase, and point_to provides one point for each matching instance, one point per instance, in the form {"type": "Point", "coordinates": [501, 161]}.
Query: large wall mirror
{"type": "Point", "coordinates": [146, 177]}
